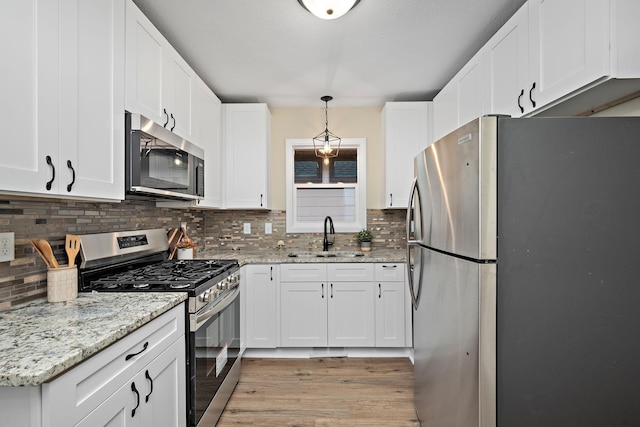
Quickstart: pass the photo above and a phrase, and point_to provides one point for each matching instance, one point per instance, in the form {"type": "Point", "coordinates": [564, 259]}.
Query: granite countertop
{"type": "Point", "coordinates": [39, 340]}
{"type": "Point", "coordinates": [281, 256]}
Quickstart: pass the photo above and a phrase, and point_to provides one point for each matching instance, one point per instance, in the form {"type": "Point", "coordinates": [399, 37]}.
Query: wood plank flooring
{"type": "Point", "coordinates": [323, 392]}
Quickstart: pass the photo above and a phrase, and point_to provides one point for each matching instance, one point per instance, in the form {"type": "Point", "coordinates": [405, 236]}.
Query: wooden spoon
{"type": "Point", "coordinates": [45, 248]}
{"type": "Point", "coordinates": [34, 243]}
{"type": "Point", "coordinates": [72, 246]}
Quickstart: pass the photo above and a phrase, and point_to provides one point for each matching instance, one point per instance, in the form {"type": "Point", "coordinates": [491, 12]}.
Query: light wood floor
{"type": "Point", "coordinates": [323, 392]}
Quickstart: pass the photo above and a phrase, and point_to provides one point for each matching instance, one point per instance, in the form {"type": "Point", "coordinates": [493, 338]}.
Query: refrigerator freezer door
{"type": "Point", "coordinates": [456, 178]}
{"type": "Point", "coordinates": [454, 342]}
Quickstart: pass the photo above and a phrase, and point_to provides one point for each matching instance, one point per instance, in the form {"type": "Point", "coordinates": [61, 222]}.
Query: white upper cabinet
{"type": "Point", "coordinates": [445, 110]}
{"type": "Point", "coordinates": [247, 152]}
{"type": "Point", "coordinates": [406, 130]}
{"type": "Point", "coordinates": [568, 46]}
{"type": "Point", "coordinates": [159, 84]}
{"type": "Point", "coordinates": [506, 59]}
{"type": "Point", "coordinates": [67, 98]}
{"type": "Point", "coordinates": [208, 117]}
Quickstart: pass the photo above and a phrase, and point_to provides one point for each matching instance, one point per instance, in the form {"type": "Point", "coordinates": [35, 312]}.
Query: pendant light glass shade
{"type": "Point", "coordinates": [326, 145]}
{"type": "Point", "coordinates": [328, 9]}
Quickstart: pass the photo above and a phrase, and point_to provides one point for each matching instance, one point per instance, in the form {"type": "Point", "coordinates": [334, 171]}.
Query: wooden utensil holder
{"type": "Point", "coordinates": [62, 283]}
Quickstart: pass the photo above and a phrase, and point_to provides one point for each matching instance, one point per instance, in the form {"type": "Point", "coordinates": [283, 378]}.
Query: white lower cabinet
{"type": "Point", "coordinates": [138, 381]}
{"type": "Point", "coordinates": [390, 305]}
{"type": "Point", "coordinates": [151, 398]}
{"type": "Point", "coordinates": [342, 305]}
{"type": "Point", "coordinates": [260, 298]}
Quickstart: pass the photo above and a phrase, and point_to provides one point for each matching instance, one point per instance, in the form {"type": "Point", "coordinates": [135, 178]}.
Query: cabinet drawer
{"type": "Point", "coordinates": [390, 272]}
{"type": "Point", "coordinates": [349, 272]}
{"type": "Point", "coordinates": [303, 272]}
{"type": "Point", "coordinates": [73, 395]}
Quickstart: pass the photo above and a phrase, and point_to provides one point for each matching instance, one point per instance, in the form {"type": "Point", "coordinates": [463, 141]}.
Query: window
{"type": "Point", "coordinates": [317, 188]}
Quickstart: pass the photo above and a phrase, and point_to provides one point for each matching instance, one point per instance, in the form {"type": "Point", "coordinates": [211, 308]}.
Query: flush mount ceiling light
{"type": "Point", "coordinates": [325, 144]}
{"type": "Point", "coordinates": [328, 9]}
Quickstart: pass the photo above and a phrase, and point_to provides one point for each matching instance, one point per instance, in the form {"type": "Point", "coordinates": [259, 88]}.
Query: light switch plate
{"type": "Point", "coordinates": [267, 228]}
{"type": "Point", "coordinates": [247, 228]}
{"type": "Point", "coordinates": [7, 247]}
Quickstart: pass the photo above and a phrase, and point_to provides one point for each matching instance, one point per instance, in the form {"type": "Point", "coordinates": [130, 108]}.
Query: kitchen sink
{"type": "Point", "coordinates": [326, 254]}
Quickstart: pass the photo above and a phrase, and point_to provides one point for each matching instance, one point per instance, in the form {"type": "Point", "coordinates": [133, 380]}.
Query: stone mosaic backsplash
{"type": "Point", "coordinates": [24, 278]}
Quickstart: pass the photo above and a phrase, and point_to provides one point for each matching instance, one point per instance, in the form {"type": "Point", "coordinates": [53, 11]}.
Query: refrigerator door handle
{"type": "Point", "coordinates": [412, 243]}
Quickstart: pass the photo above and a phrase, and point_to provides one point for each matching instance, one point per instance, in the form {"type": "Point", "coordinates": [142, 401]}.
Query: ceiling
{"type": "Point", "coordinates": [274, 51]}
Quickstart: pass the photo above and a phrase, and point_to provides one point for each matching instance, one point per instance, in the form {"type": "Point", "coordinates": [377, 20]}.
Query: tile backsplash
{"type": "Point", "coordinates": [213, 230]}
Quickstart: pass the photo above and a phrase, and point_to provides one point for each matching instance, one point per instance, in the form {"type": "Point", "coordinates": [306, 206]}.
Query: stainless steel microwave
{"type": "Point", "coordinates": [160, 164]}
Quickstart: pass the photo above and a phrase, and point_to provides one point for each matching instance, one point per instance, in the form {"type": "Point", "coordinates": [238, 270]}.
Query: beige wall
{"type": "Point", "coordinates": [308, 122]}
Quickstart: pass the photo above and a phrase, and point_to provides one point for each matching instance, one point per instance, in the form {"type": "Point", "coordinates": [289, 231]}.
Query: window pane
{"type": "Point", "coordinates": [314, 204]}
{"type": "Point", "coordinates": [307, 167]}
{"type": "Point", "coordinates": [344, 168]}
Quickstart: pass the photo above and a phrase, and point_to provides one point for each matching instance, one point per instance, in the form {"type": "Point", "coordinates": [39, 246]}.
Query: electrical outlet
{"type": "Point", "coordinates": [267, 228]}
{"type": "Point", "coordinates": [7, 247]}
{"type": "Point", "coordinates": [247, 228]}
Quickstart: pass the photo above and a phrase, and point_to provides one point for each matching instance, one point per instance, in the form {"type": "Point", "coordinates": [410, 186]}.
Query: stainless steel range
{"type": "Point", "coordinates": [136, 261]}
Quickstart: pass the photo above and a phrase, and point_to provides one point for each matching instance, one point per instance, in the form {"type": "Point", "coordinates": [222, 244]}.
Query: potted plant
{"type": "Point", "coordinates": [185, 249]}
{"type": "Point", "coordinates": [364, 238]}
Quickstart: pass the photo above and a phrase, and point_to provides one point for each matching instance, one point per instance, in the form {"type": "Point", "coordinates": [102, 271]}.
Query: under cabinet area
{"type": "Point", "coordinates": [307, 305]}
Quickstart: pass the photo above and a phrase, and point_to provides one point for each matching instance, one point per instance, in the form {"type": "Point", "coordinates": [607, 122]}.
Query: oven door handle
{"type": "Point", "coordinates": [196, 320]}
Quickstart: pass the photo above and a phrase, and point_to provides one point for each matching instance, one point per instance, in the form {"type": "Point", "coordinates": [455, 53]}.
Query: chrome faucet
{"type": "Point", "coordinates": [325, 241]}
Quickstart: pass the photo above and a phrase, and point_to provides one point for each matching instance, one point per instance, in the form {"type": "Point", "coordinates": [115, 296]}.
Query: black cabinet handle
{"type": "Point", "coordinates": [147, 376]}
{"type": "Point", "coordinates": [261, 200]}
{"type": "Point", "coordinates": [135, 390]}
{"type": "Point", "coordinates": [519, 98]}
{"type": "Point", "coordinates": [379, 290]}
{"type": "Point", "coordinates": [390, 199]}
{"type": "Point", "coordinates": [144, 347]}
{"type": "Point", "coordinates": [271, 273]}
{"type": "Point", "coordinates": [166, 114]}
{"type": "Point", "coordinates": [53, 173]}
{"type": "Point", "coordinates": [174, 122]}
{"type": "Point", "coordinates": [389, 266]}
{"type": "Point", "coordinates": [531, 94]}
{"type": "Point", "coordinates": [73, 175]}
{"type": "Point", "coordinates": [332, 290]}
{"type": "Point", "coordinates": [323, 290]}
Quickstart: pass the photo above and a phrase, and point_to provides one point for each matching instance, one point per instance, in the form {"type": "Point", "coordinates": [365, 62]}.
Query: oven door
{"type": "Point", "coordinates": [215, 357]}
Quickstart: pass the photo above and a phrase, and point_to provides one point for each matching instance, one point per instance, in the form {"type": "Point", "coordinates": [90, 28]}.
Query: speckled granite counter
{"type": "Point", "coordinates": [280, 256]}
{"type": "Point", "coordinates": [39, 340]}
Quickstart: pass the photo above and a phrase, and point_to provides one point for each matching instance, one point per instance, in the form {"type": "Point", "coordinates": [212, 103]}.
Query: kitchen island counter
{"type": "Point", "coordinates": [39, 340]}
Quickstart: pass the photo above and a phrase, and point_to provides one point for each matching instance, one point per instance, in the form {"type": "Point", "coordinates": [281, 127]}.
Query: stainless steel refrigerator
{"type": "Point", "coordinates": [523, 240]}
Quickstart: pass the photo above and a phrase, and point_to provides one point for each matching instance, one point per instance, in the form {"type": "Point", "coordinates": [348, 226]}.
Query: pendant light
{"type": "Point", "coordinates": [326, 145]}
{"type": "Point", "coordinates": [328, 9]}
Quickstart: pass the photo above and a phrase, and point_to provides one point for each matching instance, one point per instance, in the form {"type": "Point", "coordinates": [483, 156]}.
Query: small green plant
{"type": "Point", "coordinates": [364, 235]}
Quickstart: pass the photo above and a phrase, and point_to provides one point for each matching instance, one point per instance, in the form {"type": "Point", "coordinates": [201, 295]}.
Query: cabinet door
{"type": "Point", "coordinates": [445, 110]}
{"type": "Point", "coordinates": [303, 314]}
{"type": "Point", "coordinates": [115, 411]}
{"type": "Point", "coordinates": [507, 65]}
{"type": "Point", "coordinates": [209, 136]}
{"type": "Point", "coordinates": [29, 46]}
{"type": "Point", "coordinates": [351, 318]}
{"type": "Point", "coordinates": [246, 146]}
{"type": "Point", "coordinates": [162, 385]}
{"type": "Point", "coordinates": [92, 99]}
{"type": "Point", "coordinates": [471, 87]}
{"type": "Point", "coordinates": [179, 89]}
{"type": "Point", "coordinates": [390, 315]}
{"type": "Point", "coordinates": [145, 66]}
{"type": "Point", "coordinates": [569, 46]}
{"type": "Point", "coordinates": [405, 132]}
{"type": "Point", "coordinates": [261, 306]}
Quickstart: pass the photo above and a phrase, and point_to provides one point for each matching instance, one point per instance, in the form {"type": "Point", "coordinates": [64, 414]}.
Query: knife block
{"type": "Point", "coordinates": [62, 283]}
